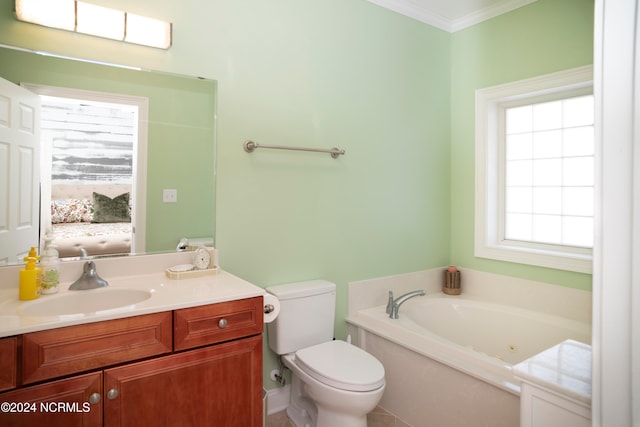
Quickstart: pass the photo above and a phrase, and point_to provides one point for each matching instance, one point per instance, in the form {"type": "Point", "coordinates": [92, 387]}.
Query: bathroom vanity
{"type": "Point", "coordinates": [190, 355]}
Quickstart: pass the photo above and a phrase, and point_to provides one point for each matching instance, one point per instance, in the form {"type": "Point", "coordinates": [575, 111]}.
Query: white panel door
{"type": "Point", "coordinates": [19, 171]}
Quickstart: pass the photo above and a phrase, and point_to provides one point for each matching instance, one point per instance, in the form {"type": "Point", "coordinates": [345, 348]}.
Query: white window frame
{"type": "Point", "coordinates": [489, 220]}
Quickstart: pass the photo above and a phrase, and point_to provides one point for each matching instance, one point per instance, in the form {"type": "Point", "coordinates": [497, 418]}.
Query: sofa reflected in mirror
{"type": "Point", "coordinates": [95, 218]}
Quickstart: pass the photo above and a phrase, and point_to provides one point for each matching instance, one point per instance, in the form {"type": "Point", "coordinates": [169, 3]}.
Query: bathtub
{"type": "Point", "coordinates": [448, 359]}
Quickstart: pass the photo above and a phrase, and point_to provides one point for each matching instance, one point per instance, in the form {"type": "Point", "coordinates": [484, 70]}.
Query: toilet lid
{"type": "Point", "coordinates": [341, 365]}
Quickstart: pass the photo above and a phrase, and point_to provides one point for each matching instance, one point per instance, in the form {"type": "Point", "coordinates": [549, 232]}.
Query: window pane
{"type": "Point", "coordinates": [519, 146]}
{"type": "Point", "coordinates": [519, 200]}
{"type": "Point", "coordinates": [547, 172]}
{"type": "Point", "coordinates": [547, 144]}
{"type": "Point", "coordinates": [578, 201]}
{"type": "Point", "coordinates": [547, 115]}
{"type": "Point", "coordinates": [547, 200]}
{"type": "Point", "coordinates": [547, 228]}
{"type": "Point", "coordinates": [518, 227]}
{"type": "Point", "coordinates": [578, 171]}
{"type": "Point", "coordinates": [577, 231]}
{"type": "Point", "coordinates": [519, 119]}
{"type": "Point", "coordinates": [549, 150]}
{"type": "Point", "coordinates": [578, 141]}
{"type": "Point", "coordinates": [578, 111]}
{"type": "Point", "coordinates": [519, 173]}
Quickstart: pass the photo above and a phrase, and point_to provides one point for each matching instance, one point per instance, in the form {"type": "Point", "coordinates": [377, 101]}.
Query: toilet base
{"type": "Point", "coordinates": [301, 411]}
{"type": "Point", "coordinates": [327, 419]}
{"type": "Point", "coordinates": [301, 418]}
{"type": "Point", "coordinates": [311, 406]}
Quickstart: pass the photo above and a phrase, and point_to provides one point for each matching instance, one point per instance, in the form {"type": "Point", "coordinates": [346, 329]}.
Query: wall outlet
{"type": "Point", "coordinates": [170, 196]}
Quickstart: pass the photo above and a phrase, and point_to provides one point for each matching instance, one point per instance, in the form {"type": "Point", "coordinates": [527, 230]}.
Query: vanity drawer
{"type": "Point", "coordinates": [59, 352]}
{"type": "Point", "coordinates": [209, 324]}
{"type": "Point", "coordinates": [8, 363]}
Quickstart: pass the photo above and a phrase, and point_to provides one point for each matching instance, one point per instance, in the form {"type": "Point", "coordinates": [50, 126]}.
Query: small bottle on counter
{"type": "Point", "coordinates": [30, 277]}
{"type": "Point", "coordinates": [50, 265]}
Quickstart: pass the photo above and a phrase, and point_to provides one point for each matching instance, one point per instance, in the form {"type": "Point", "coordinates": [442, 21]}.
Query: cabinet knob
{"type": "Point", "coordinates": [222, 323]}
{"type": "Point", "coordinates": [94, 398]}
{"type": "Point", "coordinates": [112, 394]}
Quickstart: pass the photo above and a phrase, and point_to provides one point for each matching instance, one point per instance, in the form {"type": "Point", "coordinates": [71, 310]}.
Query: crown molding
{"type": "Point", "coordinates": [429, 15]}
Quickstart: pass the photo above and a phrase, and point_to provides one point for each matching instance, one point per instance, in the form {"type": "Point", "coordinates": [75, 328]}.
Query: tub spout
{"type": "Point", "coordinates": [395, 306]}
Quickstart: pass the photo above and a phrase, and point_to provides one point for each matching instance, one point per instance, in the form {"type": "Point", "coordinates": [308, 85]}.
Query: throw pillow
{"type": "Point", "coordinates": [70, 210]}
{"type": "Point", "coordinates": [106, 209]}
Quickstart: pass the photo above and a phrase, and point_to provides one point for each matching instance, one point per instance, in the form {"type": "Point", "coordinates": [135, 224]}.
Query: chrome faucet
{"type": "Point", "coordinates": [89, 279]}
{"type": "Point", "coordinates": [389, 302]}
{"type": "Point", "coordinates": [393, 306]}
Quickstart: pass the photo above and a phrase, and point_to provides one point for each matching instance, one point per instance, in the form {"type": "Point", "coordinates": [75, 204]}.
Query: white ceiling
{"type": "Point", "coordinates": [452, 15]}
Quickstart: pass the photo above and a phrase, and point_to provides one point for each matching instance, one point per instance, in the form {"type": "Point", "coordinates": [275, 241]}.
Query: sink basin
{"type": "Point", "coordinates": [79, 302]}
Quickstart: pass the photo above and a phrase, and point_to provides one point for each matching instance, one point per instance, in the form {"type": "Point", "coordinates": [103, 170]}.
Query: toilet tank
{"type": "Point", "coordinates": [307, 313]}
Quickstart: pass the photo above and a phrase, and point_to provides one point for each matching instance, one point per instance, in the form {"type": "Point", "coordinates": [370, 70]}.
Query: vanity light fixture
{"type": "Point", "coordinates": [86, 18]}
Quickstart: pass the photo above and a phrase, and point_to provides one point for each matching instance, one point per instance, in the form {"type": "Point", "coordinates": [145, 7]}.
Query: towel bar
{"type": "Point", "coordinates": [250, 146]}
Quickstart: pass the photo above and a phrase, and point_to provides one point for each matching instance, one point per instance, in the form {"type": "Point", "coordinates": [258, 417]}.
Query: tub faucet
{"type": "Point", "coordinates": [83, 253]}
{"type": "Point", "coordinates": [89, 279]}
{"type": "Point", "coordinates": [389, 302]}
{"type": "Point", "coordinates": [395, 304]}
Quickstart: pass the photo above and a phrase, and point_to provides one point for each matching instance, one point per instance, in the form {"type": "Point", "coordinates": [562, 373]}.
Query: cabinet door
{"type": "Point", "coordinates": [8, 363]}
{"type": "Point", "coordinates": [219, 385]}
{"type": "Point", "coordinates": [63, 403]}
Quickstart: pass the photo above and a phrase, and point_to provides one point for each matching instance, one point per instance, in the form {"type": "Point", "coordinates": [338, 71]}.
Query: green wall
{"type": "Point", "coordinates": [543, 37]}
{"type": "Point", "coordinates": [181, 124]}
{"type": "Point", "coordinates": [396, 94]}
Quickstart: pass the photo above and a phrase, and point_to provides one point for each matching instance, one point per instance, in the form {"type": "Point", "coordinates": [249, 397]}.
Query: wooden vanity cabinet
{"type": "Point", "coordinates": [215, 381]}
{"type": "Point", "coordinates": [8, 363]}
{"type": "Point", "coordinates": [218, 385]}
{"type": "Point", "coordinates": [70, 402]}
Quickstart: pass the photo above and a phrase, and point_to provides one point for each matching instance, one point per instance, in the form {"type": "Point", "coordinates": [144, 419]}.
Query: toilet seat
{"type": "Point", "coordinates": [341, 365]}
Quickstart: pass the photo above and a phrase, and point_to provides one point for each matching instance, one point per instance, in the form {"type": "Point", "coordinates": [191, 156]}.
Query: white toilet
{"type": "Point", "coordinates": [333, 382]}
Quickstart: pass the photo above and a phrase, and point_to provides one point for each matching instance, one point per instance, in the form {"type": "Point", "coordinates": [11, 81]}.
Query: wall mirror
{"type": "Point", "coordinates": [179, 154]}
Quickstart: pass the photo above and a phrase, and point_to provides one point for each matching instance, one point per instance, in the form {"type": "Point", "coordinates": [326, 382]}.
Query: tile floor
{"type": "Point", "coordinates": [376, 418]}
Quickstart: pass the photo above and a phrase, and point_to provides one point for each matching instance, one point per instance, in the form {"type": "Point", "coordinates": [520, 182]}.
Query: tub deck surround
{"type": "Point", "coordinates": [475, 337]}
{"type": "Point", "coordinates": [431, 377]}
{"type": "Point", "coordinates": [541, 297]}
{"type": "Point", "coordinates": [564, 369]}
{"type": "Point", "coordinates": [144, 272]}
{"type": "Point", "coordinates": [374, 292]}
{"type": "Point", "coordinates": [556, 386]}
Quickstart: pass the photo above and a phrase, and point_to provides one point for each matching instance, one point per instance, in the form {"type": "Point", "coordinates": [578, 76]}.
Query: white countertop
{"type": "Point", "coordinates": [166, 294]}
{"type": "Point", "coordinates": [564, 369]}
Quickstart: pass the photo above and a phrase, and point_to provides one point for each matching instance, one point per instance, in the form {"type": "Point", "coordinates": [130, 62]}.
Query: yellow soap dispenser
{"type": "Point", "coordinates": [30, 277]}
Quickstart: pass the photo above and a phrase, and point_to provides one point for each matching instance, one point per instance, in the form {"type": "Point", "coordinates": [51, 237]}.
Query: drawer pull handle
{"type": "Point", "coordinates": [269, 308]}
{"type": "Point", "coordinates": [94, 398]}
{"type": "Point", "coordinates": [112, 394]}
{"type": "Point", "coordinates": [222, 323]}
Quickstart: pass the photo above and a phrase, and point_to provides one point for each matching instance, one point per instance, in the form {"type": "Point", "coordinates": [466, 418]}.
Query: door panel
{"type": "Point", "coordinates": [19, 171]}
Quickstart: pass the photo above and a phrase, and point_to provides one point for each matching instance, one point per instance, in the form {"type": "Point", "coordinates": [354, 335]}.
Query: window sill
{"type": "Point", "coordinates": [581, 263]}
